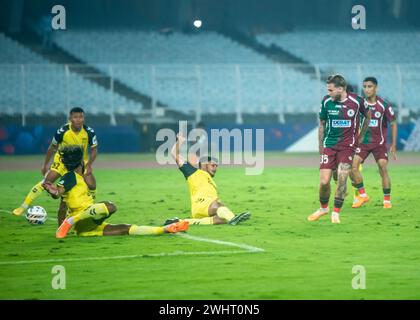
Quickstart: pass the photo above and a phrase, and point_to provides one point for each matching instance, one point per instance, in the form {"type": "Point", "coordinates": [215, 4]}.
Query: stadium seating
{"type": "Point", "coordinates": [392, 57]}
{"type": "Point", "coordinates": [186, 71]}
{"type": "Point", "coordinates": [362, 47]}
{"type": "Point", "coordinates": [28, 82]}
{"type": "Point", "coordinates": [413, 141]}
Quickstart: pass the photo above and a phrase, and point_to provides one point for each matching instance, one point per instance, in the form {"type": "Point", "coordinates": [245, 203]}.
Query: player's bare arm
{"type": "Point", "coordinates": [394, 132]}
{"type": "Point", "coordinates": [321, 131]}
{"type": "Point", "coordinates": [176, 150]}
{"type": "Point", "coordinates": [52, 149]}
{"type": "Point", "coordinates": [92, 157]}
{"type": "Point", "coordinates": [365, 126]}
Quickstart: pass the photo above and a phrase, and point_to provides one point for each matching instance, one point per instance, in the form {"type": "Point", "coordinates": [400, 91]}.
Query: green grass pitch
{"type": "Point", "coordinates": [301, 260]}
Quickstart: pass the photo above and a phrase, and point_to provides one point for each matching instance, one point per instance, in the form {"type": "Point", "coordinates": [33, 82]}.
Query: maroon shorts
{"type": "Point", "coordinates": [379, 151]}
{"type": "Point", "coordinates": [331, 157]}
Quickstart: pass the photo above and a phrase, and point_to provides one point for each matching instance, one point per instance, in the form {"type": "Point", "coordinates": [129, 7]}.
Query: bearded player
{"type": "Point", "coordinates": [375, 142]}
{"type": "Point", "coordinates": [84, 215]}
{"type": "Point", "coordinates": [75, 132]}
{"type": "Point", "coordinates": [206, 207]}
{"type": "Point", "coordinates": [338, 137]}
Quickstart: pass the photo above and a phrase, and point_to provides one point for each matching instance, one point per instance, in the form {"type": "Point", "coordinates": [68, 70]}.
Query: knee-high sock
{"type": "Point", "coordinates": [35, 192]}
{"type": "Point", "coordinates": [202, 221]}
{"type": "Point", "coordinates": [225, 213]}
{"type": "Point", "coordinates": [96, 211]}
{"type": "Point", "coordinates": [145, 230]}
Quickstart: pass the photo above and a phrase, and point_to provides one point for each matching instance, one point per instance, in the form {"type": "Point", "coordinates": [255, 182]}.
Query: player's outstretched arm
{"type": "Point", "coordinates": [52, 149]}
{"type": "Point", "coordinates": [176, 148]}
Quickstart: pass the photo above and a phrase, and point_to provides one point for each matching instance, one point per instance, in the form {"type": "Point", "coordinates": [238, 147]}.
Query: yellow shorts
{"type": "Point", "coordinates": [200, 207]}
{"type": "Point", "coordinates": [90, 227]}
{"type": "Point", "coordinates": [58, 166]}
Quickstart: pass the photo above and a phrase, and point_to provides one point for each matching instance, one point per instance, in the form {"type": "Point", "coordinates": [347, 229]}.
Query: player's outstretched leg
{"type": "Point", "coordinates": [180, 226]}
{"type": "Point", "coordinates": [135, 230]}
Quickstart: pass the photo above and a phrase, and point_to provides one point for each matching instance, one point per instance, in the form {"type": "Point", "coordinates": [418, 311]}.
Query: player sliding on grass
{"type": "Point", "coordinates": [375, 142]}
{"type": "Point", "coordinates": [206, 207]}
{"type": "Point", "coordinates": [73, 133]}
{"type": "Point", "coordinates": [84, 215]}
{"type": "Point", "coordinates": [340, 118]}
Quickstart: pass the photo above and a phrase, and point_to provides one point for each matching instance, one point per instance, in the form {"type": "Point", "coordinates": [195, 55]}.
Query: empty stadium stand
{"type": "Point", "coordinates": [392, 57]}
{"type": "Point", "coordinates": [189, 71]}
{"type": "Point", "coordinates": [31, 84]}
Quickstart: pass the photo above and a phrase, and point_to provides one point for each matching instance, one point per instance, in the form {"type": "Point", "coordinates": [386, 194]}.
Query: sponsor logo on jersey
{"type": "Point", "coordinates": [377, 114]}
{"type": "Point", "coordinates": [334, 112]}
{"type": "Point", "coordinates": [350, 113]}
{"type": "Point", "coordinates": [341, 123]}
{"type": "Point", "coordinates": [373, 123]}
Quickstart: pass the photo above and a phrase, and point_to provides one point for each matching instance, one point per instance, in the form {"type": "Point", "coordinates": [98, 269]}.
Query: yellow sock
{"type": "Point", "coordinates": [35, 192]}
{"type": "Point", "coordinates": [96, 211]}
{"type": "Point", "coordinates": [202, 221]}
{"type": "Point", "coordinates": [225, 213]}
{"type": "Point", "coordinates": [145, 230]}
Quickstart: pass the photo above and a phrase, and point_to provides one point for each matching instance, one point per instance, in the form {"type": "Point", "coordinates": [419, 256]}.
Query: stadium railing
{"type": "Point", "coordinates": [196, 89]}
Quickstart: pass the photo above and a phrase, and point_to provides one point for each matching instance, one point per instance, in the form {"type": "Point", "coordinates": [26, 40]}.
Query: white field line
{"type": "Point", "coordinates": [245, 249]}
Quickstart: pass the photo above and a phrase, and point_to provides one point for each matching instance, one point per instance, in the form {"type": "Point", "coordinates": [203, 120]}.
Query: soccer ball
{"type": "Point", "coordinates": [36, 215]}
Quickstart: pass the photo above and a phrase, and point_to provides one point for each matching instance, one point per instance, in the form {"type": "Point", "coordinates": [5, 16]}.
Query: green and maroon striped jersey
{"type": "Point", "coordinates": [342, 120]}
{"type": "Point", "coordinates": [382, 114]}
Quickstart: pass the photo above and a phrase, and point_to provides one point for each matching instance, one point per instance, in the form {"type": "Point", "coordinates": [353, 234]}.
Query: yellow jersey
{"type": "Point", "coordinates": [76, 196]}
{"type": "Point", "coordinates": [85, 138]}
{"type": "Point", "coordinates": [200, 184]}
